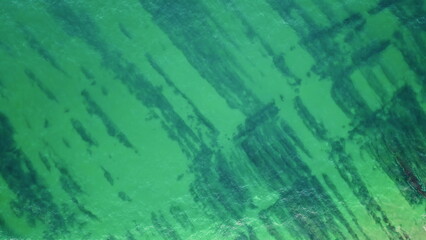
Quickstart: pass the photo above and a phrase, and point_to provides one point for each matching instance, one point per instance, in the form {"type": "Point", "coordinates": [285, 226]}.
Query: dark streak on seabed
{"type": "Point", "coordinates": [213, 119]}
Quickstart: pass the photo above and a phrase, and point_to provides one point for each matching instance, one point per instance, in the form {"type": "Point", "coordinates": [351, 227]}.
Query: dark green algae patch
{"type": "Point", "coordinates": [212, 120]}
{"type": "Point", "coordinates": [33, 200]}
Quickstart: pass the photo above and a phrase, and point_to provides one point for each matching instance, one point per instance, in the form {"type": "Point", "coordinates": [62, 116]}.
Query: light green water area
{"type": "Point", "coordinates": [212, 119]}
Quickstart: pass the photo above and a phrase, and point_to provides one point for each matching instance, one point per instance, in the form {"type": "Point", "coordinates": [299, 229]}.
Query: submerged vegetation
{"type": "Point", "coordinates": [201, 119]}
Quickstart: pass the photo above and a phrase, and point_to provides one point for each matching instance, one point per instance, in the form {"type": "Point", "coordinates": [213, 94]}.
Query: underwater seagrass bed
{"type": "Point", "coordinates": [212, 119]}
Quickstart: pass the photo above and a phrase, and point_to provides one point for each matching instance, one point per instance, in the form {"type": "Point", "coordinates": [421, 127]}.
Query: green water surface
{"type": "Point", "coordinates": [212, 119]}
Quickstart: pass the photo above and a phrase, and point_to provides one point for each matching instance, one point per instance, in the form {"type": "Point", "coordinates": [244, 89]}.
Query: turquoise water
{"type": "Point", "coordinates": [212, 119]}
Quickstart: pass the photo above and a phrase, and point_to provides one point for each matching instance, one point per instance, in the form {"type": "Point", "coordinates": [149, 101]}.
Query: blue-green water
{"type": "Point", "coordinates": [212, 119]}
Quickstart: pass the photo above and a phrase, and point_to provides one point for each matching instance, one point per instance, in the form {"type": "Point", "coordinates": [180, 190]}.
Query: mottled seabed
{"type": "Point", "coordinates": [212, 119]}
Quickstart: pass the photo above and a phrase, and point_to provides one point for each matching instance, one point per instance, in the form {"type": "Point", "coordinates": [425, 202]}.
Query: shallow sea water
{"type": "Point", "coordinates": [212, 119]}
